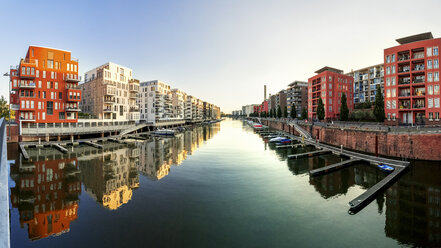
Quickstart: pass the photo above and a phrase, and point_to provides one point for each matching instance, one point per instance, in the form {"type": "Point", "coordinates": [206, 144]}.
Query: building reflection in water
{"type": "Point", "coordinates": [156, 157]}
{"type": "Point", "coordinates": [46, 194]}
{"type": "Point", "coordinates": [47, 190]}
{"type": "Point", "coordinates": [111, 176]}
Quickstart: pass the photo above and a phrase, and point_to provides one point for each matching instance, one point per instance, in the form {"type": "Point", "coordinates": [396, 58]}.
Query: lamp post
{"type": "Point", "coordinates": [9, 100]}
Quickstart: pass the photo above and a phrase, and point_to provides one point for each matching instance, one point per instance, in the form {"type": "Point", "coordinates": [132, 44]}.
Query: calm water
{"type": "Point", "coordinates": [215, 186]}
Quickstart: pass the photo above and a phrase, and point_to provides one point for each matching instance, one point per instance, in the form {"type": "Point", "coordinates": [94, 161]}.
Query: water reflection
{"type": "Point", "coordinates": [46, 195]}
{"type": "Point", "coordinates": [412, 205]}
{"type": "Point", "coordinates": [47, 187]}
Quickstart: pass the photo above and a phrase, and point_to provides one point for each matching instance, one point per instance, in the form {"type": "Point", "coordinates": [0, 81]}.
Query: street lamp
{"type": "Point", "coordinates": [9, 100]}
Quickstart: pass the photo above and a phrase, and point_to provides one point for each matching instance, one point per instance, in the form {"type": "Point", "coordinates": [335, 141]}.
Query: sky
{"type": "Point", "coordinates": [221, 51]}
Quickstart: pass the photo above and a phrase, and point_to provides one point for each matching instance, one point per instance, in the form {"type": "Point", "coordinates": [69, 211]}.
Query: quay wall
{"type": "Point", "coordinates": [417, 145]}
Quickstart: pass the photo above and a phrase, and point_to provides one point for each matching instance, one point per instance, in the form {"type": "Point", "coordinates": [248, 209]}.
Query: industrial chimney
{"type": "Point", "coordinates": [264, 92]}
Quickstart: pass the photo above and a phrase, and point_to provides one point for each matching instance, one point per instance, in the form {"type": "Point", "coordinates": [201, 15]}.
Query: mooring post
{"type": "Point", "coordinates": [341, 149]}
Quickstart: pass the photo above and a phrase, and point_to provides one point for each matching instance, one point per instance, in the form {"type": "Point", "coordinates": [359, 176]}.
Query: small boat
{"type": "Point", "coordinates": [285, 141]}
{"type": "Point", "coordinates": [276, 139]}
{"type": "Point", "coordinates": [386, 168]}
{"type": "Point", "coordinates": [165, 132]}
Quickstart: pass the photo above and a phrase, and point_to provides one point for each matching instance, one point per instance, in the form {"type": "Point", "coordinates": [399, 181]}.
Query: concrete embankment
{"type": "Point", "coordinates": [415, 144]}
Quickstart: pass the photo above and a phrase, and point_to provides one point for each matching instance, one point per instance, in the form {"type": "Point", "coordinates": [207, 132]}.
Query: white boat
{"type": "Point", "coordinates": [165, 132]}
{"type": "Point", "coordinates": [277, 139]}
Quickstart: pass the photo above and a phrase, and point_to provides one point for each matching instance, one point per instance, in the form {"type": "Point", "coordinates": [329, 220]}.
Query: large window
{"type": "Point", "coordinates": [50, 108]}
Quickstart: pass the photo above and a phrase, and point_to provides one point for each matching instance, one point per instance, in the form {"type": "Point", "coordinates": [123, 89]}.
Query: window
{"type": "Point", "coordinates": [330, 86]}
{"type": "Point", "coordinates": [394, 93]}
{"type": "Point", "coordinates": [394, 116]}
{"type": "Point", "coordinates": [394, 104]}
{"type": "Point", "coordinates": [44, 76]}
{"type": "Point", "coordinates": [436, 102]}
{"type": "Point", "coordinates": [50, 64]}
{"type": "Point", "coordinates": [393, 58]}
{"type": "Point", "coordinates": [436, 76]}
{"type": "Point", "coordinates": [393, 81]}
{"type": "Point", "coordinates": [37, 73]}
{"type": "Point", "coordinates": [430, 116]}
{"type": "Point", "coordinates": [23, 70]}
{"type": "Point", "coordinates": [435, 51]}
{"type": "Point", "coordinates": [44, 94]}
{"type": "Point", "coordinates": [387, 81]}
{"type": "Point", "coordinates": [435, 63]}
{"type": "Point", "coordinates": [436, 89]}
{"type": "Point", "coordinates": [330, 108]}
{"type": "Point", "coordinates": [52, 75]}
{"type": "Point", "coordinates": [330, 79]}
{"type": "Point", "coordinates": [429, 51]}
{"type": "Point", "coordinates": [387, 70]}
{"type": "Point", "coordinates": [388, 93]}
{"type": "Point", "coordinates": [60, 95]}
{"type": "Point", "coordinates": [429, 77]}
{"type": "Point", "coordinates": [50, 108]}
{"type": "Point", "coordinates": [393, 69]}
{"type": "Point", "coordinates": [388, 116]}
{"type": "Point", "coordinates": [39, 105]}
{"type": "Point", "coordinates": [61, 116]}
{"type": "Point", "coordinates": [56, 85]}
{"type": "Point", "coordinates": [387, 59]}
{"type": "Point", "coordinates": [430, 90]}
{"type": "Point", "coordinates": [388, 104]}
{"type": "Point", "coordinates": [430, 103]}
{"type": "Point", "coordinates": [429, 64]}
{"type": "Point", "coordinates": [437, 116]}
{"type": "Point", "coordinates": [330, 100]}
{"type": "Point", "coordinates": [56, 105]}
{"type": "Point", "coordinates": [43, 116]}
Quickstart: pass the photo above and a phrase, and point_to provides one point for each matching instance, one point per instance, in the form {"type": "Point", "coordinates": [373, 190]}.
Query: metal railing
{"type": "Point", "coordinates": [4, 188]}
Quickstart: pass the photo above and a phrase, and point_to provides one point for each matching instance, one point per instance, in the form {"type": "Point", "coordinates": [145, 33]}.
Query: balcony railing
{"type": "Point", "coordinates": [73, 87]}
{"type": "Point", "coordinates": [403, 57]}
{"type": "Point", "coordinates": [407, 94]}
{"type": "Point", "coordinates": [27, 85]}
{"type": "Point", "coordinates": [73, 109]}
{"type": "Point", "coordinates": [72, 78]}
{"type": "Point", "coordinates": [419, 67]}
{"type": "Point", "coordinates": [419, 106]}
{"type": "Point", "coordinates": [28, 61]}
{"type": "Point", "coordinates": [418, 80]}
{"type": "Point", "coordinates": [418, 55]}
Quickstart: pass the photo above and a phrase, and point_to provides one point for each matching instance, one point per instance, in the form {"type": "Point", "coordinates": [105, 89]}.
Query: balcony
{"type": "Point", "coordinates": [109, 90]}
{"type": "Point", "coordinates": [72, 78]}
{"type": "Point", "coordinates": [418, 67]}
{"type": "Point", "coordinates": [132, 95]}
{"type": "Point", "coordinates": [110, 100]}
{"type": "Point", "coordinates": [403, 57]}
{"type": "Point", "coordinates": [73, 87]}
{"type": "Point", "coordinates": [27, 120]}
{"type": "Point", "coordinates": [134, 109]}
{"type": "Point", "coordinates": [418, 55]}
{"type": "Point", "coordinates": [27, 85]}
{"type": "Point", "coordinates": [108, 110]}
{"type": "Point", "coordinates": [419, 105]}
{"type": "Point", "coordinates": [418, 80]}
{"type": "Point", "coordinates": [73, 109]}
{"type": "Point", "coordinates": [14, 107]}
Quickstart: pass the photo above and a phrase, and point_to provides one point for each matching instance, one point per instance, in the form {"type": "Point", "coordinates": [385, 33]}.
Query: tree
{"type": "Point", "coordinates": [304, 114]}
{"type": "Point", "coordinates": [270, 115]}
{"type": "Point", "coordinates": [279, 112]}
{"type": "Point", "coordinates": [320, 110]}
{"type": "Point", "coordinates": [344, 110]}
{"type": "Point", "coordinates": [379, 106]}
{"type": "Point", "coordinates": [4, 108]}
{"type": "Point", "coordinates": [285, 112]}
{"type": "Point", "coordinates": [293, 111]}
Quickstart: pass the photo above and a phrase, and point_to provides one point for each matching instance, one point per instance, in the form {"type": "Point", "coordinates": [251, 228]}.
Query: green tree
{"type": "Point", "coordinates": [320, 110]}
{"type": "Point", "coordinates": [4, 108]}
{"type": "Point", "coordinates": [304, 114]}
{"type": "Point", "coordinates": [379, 106]}
{"type": "Point", "coordinates": [344, 110]}
{"type": "Point", "coordinates": [293, 113]}
{"type": "Point", "coordinates": [270, 113]}
{"type": "Point", "coordinates": [285, 112]}
{"type": "Point", "coordinates": [279, 112]}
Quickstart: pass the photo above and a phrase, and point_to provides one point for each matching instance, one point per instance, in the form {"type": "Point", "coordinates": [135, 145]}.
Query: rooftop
{"type": "Point", "coordinates": [327, 68]}
{"type": "Point", "coordinates": [301, 83]}
{"type": "Point", "coordinates": [414, 38]}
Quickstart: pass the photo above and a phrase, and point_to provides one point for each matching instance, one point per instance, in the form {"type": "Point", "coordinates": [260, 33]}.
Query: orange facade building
{"type": "Point", "coordinates": [44, 87]}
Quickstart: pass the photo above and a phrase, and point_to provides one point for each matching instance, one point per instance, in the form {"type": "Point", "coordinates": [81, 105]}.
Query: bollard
{"type": "Point", "coordinates": [341, 149]}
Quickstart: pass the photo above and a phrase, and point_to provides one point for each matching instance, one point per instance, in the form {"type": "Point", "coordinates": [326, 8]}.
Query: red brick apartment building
{"type": "Point", "coordinates": [412, 87]}
{"type": "Point", "coordinates": [329, 84]}
{"type": "Point", "coordinates": [44, 87]}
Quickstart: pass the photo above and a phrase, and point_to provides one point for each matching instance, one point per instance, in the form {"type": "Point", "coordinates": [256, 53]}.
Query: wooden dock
{"type": "Point", "coordinates": [334, 167]}
{"type": "Point", "coordinates": [309, 154]}
{"type": "Point", "coordinates": [23, 151]}
{"type": "Point", "coordinates": [364, 199]}
{"type": "Point", "coordinates": [60, 148]}
{"type": "Point", "coordinates": [289, 146]}
{"type": "Point", "coordinates": [354, 157]}
{"type": "Point", "coordinates": [90, 143]}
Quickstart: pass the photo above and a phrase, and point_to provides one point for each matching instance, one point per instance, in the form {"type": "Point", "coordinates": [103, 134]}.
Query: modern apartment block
{"type": "Point", "coordinates": [329, 84]}
{"type": "Point", "coordinates": [155, 101]}
{"type": "Point", "coordinates": [412, 88]}
{"type": "Point", "coordinates": [110, 93]}
{"type": "Point", "coordinates": [44, 87]}
{"type": "Point", "coordinates": [178, 103]}
{"type": "Point", "coordinates": [297, 95]}
{"type": "Point", "coordinates": [366, 81]}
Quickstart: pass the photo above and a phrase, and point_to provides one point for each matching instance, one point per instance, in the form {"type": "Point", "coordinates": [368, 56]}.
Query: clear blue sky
{"type": "Point", "coordinates": [220, 51]}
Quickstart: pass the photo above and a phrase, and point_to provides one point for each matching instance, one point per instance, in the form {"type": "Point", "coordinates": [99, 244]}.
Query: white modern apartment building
{"type": "Point", "coordinates": [179, 98]}
{"type": "Point", "coordinates": [109, 92]}
{"type": "Point", "coordinates": [190, 108]}
{"type": "Point", "coordinates": [366, 81]}
{"type": "Point", "coordinates": [155, 101]}
{"type": "Point", "coordinates": [248, 109]}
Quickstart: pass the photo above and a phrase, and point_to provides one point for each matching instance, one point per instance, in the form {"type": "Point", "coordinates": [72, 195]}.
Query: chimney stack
{"type": "Point", "coordinates": [264, 92]}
